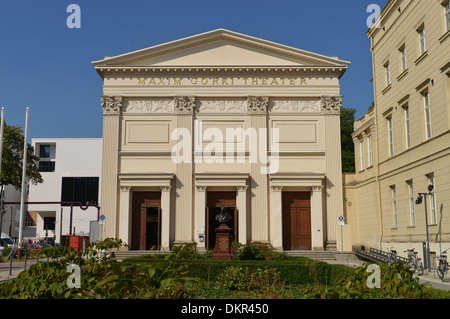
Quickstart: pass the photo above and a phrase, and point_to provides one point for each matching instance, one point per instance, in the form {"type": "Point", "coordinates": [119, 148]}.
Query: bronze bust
{"type": "Point", "coordinates": [223, 217]}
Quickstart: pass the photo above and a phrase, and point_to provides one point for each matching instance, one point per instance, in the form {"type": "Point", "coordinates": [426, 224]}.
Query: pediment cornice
{"type": "Point", "coordinates": [296, 60]}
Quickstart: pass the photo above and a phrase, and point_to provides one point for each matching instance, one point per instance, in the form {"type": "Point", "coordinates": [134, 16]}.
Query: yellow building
{"type": "Point", "coordinates": [403, 145]}
{"type": "Point", "coordinates": [221, 119]}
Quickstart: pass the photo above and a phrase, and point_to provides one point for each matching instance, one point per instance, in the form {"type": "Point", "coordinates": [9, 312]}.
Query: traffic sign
{"type": "Point", "coordinates": [341, 221]}
{"type": "Point", "coordinates": [102, 219]}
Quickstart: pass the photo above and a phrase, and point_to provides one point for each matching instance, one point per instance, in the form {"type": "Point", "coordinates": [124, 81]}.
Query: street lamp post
{"type": "Point", "coordinates": [419, 201]}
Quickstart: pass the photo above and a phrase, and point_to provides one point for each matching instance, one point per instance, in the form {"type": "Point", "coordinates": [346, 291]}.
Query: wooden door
{"type": "Point", "coordinates": [146, 220]}
{"type": "Point", "coordinates": [296, 209]}
{"type": "Point", "coordinates": [216, 200]}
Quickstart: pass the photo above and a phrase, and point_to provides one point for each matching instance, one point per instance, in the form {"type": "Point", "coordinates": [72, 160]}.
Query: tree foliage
{"type": "Point", "coordinates": [12, 159]}
{"type": "Point", "coordinates": [347, 147]}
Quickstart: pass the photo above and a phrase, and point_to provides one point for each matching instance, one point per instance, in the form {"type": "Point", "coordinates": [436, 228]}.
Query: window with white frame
{"type": "Point", "coordinates": [394, 206]}
{"type": "Point", "coordinates": [361, 151]}
{"type": "Point", "coordinates": [427, 111]}
{"type": "Point", "coordinates": [387, 71]}
{"type": "Point", "coordinates": [412, 217]}
{"type": "Point", "coordinates": [369, 150]}
{"type": "Point", "coordinates": [433, 215]}
{"type": "Point", "coordinates": [390, 136]}
{"type": "Point", "coordinates": [403, 63]}
{"type": "Point", "coordinates": [447, 15]}
{"type": "Point", "coordinates": [407, 127]}
{"type": "Point", "coordinates": [422, 40]}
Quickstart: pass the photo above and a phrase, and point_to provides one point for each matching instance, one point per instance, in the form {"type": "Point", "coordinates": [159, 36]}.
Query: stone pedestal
{"type": "Point", "coordinates": [223, 249]}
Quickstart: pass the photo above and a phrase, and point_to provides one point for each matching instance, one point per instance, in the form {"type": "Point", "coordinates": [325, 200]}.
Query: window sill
{"type": "Point", "coordinates": [411, 226]}
{"type": "Point", "coordinates": [394, 228]}
{"type": "Point", "coordinates": [387, 88]}
{"type": "Point", "coordinates": [419, 59]}
{"type": "Point", "coordinates": [444, 36]}
{"type": "Point", "coordinates": [402, 75]}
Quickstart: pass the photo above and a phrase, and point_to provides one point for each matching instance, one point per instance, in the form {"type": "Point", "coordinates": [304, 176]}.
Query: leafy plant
{"type": "Point", "coordinates": [101, 277]}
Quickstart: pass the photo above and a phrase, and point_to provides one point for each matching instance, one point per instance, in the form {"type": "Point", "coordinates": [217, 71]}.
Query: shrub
{"type": "Point", "coordinates": [256, 251]}
{"type": "Point", "coordinates": [236, 278]}
{"type": "Point", "coordinates": [396, 281]}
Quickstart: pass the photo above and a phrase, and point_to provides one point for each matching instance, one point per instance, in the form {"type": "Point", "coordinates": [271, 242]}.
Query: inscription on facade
{"type": "Point", "coordinates": [223, 81]}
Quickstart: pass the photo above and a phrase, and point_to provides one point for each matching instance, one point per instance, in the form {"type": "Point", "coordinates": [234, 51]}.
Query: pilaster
{"type": "Point", "coordinates": [257, 109]}
{"type": "Point", "coordinates": [277, 217]}
{"type": "Point", "coordinates": [112, 106]}
{"type": "Point", "coordinates": [165, 218]}
{"type": "Point", "coordinates": [331, 106]}
{"type": "Point", "coordinates": [184, 107]}
{"type": "Point", "coordinates": [242, 213]}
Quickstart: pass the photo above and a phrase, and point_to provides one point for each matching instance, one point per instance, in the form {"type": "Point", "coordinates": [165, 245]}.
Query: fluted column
{"type": "Point", "coordinates": [331, 107]}
{"type": "Point", "coordinates": [242, 211]}
{"type": "Point", "coordinates": [201, 223]}
{"type": "Point", "coordinates": [277, 218]}
{"type": "Point", "coordinates": [184, 109]}
{"type": "Point", "coordinates": [257, 108]}
{"type": "Point", "coordinates": [125, 215]}
{"type": "Point", "coordinates": [165, 218]}
{"type": "Point", "coordinates": [112, 106]}
{"type": "Point", "coordinates": [317, 218]}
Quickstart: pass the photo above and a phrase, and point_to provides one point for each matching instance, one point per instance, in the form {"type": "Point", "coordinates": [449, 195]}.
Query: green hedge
{"type": "Point", "coordinates": [299, 271]}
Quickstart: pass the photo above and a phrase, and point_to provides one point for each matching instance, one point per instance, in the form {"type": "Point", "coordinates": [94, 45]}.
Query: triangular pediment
{"type": "Point", "coordinates": [220, 48]}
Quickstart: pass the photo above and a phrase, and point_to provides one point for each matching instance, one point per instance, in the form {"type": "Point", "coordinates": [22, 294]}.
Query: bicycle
{"type": "Point", "coordinates": [414, 261]}
{"type": "Point", "coordinates": [442, 268]}
{"type": "Point", "coordinates": [392, 258]}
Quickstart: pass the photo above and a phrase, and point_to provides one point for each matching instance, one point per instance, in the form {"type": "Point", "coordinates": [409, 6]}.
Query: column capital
{"type": "Point", "coordinates": [201, 188]}
{"type": "Point", "coordinates": [331, 104]}
{"type": "Point", "coordinates": [242, 188]}
{"type": "Point", "coordinates": [125, 188]}
{"type": "Point", "coordinates": [257, 104]}
{"type": "Point", "coordinates": [184, 105]}
{"type": "Point", "coordinates": [112, 105]}
{"type": "Point", "coordinates": [276, 188]}
{"type": "Point", "coordinates": [166, 188]}
{"type": "Point", "coordinates": [317, 188]}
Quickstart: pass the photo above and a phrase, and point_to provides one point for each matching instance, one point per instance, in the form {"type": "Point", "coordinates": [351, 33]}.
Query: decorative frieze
{"type": "Point", "coordinates": [111, 104]}
{"type": "Point", "coordinates": [221, 106]}
{"type": "Point", "coordinates": [149, 106]}
{"type": "Point", "coordinates": [184, 104]}
{"type": "Point", "coordinates": [257, 104]}
{"type": "Point", "coordinates": [331, 104]}
{"type": "Point", "coordinates": [295, 106]}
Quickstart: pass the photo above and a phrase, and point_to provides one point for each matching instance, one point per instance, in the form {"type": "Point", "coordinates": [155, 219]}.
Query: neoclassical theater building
{"type": "Point", "coordinates": [221, 119]}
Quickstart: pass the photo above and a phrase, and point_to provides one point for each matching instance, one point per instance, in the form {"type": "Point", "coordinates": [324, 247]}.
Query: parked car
{"type": "Point", "coordinates": [6, 240]}
{"type": "Point", "coordinates": [33, 247]}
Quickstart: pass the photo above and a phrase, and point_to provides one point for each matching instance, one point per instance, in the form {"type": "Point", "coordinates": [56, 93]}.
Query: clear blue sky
{"type": "Point", "coordinates": [47, 67]}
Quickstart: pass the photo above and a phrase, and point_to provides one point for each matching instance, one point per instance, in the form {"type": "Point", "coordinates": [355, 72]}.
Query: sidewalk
{"type": "Point", "coordinates": [7, 272]}
{"type": "Point", "coordinates": [430, 277]}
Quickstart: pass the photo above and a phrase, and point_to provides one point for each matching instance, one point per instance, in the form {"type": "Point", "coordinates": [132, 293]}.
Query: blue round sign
{"type": "Point", "coordinates": [102, 217]}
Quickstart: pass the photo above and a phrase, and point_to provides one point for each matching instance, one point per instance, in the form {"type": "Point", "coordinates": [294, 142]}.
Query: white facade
{"type": "Point", "coordinates": [73, 158]}
{"type": "Point", "coordinates": [10, 217]}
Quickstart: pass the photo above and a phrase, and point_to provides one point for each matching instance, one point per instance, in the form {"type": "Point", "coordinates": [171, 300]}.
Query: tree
{"type": "Point", "coordinates": [347, 147]}
{"type": "Point", "coordinates": [12, 159]}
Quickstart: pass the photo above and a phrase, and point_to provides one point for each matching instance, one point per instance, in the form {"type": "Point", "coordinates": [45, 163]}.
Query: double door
{"type": "Point", "coordinates": [146, 220]}
{"type": "Point", "coordinates": [296, 211]}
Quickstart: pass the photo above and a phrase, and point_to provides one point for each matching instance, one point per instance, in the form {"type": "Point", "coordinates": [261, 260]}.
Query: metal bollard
{"type": "Point", "coordinates": [10, 263]}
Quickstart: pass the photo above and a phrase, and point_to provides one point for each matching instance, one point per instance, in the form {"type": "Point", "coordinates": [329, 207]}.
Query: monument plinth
{"type": "Point", "coordinates": [224, 237]}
